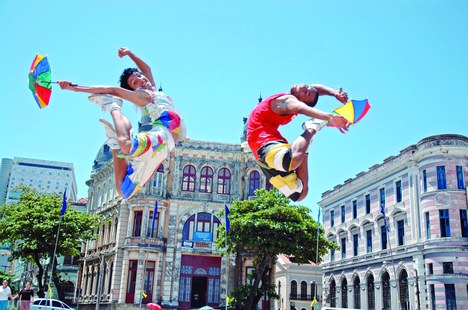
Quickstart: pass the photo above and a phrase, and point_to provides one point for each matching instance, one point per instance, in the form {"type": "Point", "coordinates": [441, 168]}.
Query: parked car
{"type": "Point", "coordinates": [49, 304]}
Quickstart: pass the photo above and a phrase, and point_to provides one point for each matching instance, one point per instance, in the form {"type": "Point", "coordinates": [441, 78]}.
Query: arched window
{"type": "Point", "coordinates": [206, 180]}
{"type": "Point", "coordinates": [404, 294]}
{"type": "Point", "coordinates": [332, 293]}
{"type": "Point", "coordinates": [188, 178]}
{"type": "Point", "coordinates": [224, 181]}
{"type": "Point", "coordinates": [357, 293]}
{"type": "Point", "coordinates": [344, 293]}
{"type": "Point", "coordinates": [254, 182]}
{"type": "Point", "coordinates": [370, 293]}
{"type": "Point", "coordinates": [312, 290]}
{"type": "Point", "coordinates": [293, 289]}
{"type": "Point", "coordinates": [203, 223]}
{"type": "Point", "coordinates": [303, 290]}
{"type": "Point", "coordinates": [279, 288]}
{"type": "Point", "coordinates": [386, 293]}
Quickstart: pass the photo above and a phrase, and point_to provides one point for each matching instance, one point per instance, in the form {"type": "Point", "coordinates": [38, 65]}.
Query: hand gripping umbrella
{"type": "Point", "coordinates": [354, 110]}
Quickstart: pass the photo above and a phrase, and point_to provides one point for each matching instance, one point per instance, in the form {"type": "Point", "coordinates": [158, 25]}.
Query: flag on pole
{"type": "Point", "coordinates": [382, 210]}
{"type": "Point", "coordinates": [64, 203]}
{"type": "Point", "coordinates": [155, 213]}
{"type": "Point", "coordinates": [318, 219]}
{"type": "Point", "coordinates": [228, 222]}
{"type": "Point", "coordinates": [143, 294]}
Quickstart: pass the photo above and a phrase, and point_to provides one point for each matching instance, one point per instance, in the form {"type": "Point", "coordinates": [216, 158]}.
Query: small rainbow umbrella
{"type": "Point", "coordinates": [354, 110]}
{"type": "Point", "coordinates": [40, 80]}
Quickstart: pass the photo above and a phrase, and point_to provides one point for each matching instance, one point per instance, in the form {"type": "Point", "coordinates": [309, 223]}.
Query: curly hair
{"type": "Point", "coordinates": [124, 77]}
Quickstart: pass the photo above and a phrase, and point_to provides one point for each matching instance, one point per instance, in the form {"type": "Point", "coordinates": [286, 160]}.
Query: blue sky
{"type": "Point", "coordinates": [214, 58]}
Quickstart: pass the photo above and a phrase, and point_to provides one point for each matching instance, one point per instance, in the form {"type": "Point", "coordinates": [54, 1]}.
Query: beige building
{"type": "Point", "coordinates": [170, 259]}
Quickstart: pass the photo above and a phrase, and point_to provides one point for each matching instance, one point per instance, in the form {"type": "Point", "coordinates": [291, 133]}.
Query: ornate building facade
{"type": "Point", "coordinates": [402, 230]}
{"type": "Point", "coordinates": [166, 253]}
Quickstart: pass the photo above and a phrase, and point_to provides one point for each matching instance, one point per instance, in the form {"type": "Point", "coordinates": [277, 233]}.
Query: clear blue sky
{"type": "Point", "coordinates": [410, 58]}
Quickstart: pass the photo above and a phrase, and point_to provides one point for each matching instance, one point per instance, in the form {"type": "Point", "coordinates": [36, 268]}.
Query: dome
{"type": "Point", "coordinates": [102, 157]}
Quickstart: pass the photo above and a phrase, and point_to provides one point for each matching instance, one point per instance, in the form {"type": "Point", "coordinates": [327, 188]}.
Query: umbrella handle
{"type": "Point", "coordinates": [71, 84]}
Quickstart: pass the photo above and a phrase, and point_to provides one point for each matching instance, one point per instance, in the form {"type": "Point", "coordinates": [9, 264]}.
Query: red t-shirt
{"type": "Point", "coordinates": [263, 124]}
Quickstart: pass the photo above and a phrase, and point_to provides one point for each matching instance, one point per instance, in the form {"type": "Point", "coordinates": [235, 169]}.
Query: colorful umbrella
{"type": "Point", "coordinates": [40, 80]}
{"type": "Point", "coordinates": [353, 110]}
{"type": "Point", "coordinates": [153, 306]}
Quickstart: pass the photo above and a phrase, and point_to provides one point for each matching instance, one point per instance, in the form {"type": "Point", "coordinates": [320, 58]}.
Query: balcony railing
{"type": "Point", "coordinates": [301, 297]}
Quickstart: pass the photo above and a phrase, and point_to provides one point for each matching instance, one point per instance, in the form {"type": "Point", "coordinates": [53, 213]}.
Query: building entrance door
{"type": "Point", "coordinates": [198, 297]}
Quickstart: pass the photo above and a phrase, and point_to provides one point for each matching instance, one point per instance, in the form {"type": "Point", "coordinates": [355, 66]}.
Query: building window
{"type": "Point", "coordinates": [386, 292]}
{"type": "Point", "coordinates": [354, 209]}
{"type": "Point", "coordinates": [332, 218]}
{"type": "Point", "coordinates": [355, 244]}
{"type": "Point", "coordinates": [188, 178]}
{"type": "Point", "coordinates": [344, 293]}
{"type": "Point", "coordinates": [424, 181]}
{"type": "Point", "coordinates": [428, 226]}
{"type": "Point", "coordinates": [382, 198]}
{"type": "Point", "coordinates": [157, 183]}
{"type": "Point", "coordinates": [343, 214]}
{"type": "Point", "coordinates": [138, 215]}
{"type": "Point", "coordinates": [343, 247]}
{"type": "Point", "coordinates": [206, 180]}
{"type": "Point", "coordinates": [367, 203]}
{"type": "Point", "coordinates": [370, 293]}
{"type": "Point", "coordinates": [152, 230]}
{"type": "Point", "coordinates": [430, 268]}
{"type": "Point", "coordinates": [383, 236]}
{"type": "Point", "coordinates": [433, 297]}
{"type": "Point", "coordinates": [313, 288]}
{"type": "Point", "coordinates": [254, 182]}
{"type": "Point", "coordinates": [199, 226]}
{"type": "Point", "coordinates": [293, 289]}
{"type": "Point", "coordinates": [398, 191]}
{"type": "Point", "coordinates": [303, 290]}
{"type": "Point", "coordinates": [460, 178]}
{"type": "Point", "coordinates": [450, 297]}
{"type": "Point", "coordinates": [441, 179]}
{"type": "Point", "coordinates": [463, 224]}
{"type": "Point", "coordinates": [148, 282]}
{"type": "Point", "coordinates": [332, 255]}
{"type": "Point", "coordinates": [447, 267]}
{"type": "Point", "coordinates": [131, 281]}
{"type": "Point", "coordinates": [401, 232]}
{"type": "Point", "coordinates": [369, 241]}
{"type": "Point", "coordinates": [357, 293]}
{"type": "Point", "coordinates": [444, 223]}
{"type": "Point", "coordinates": [224, 181]}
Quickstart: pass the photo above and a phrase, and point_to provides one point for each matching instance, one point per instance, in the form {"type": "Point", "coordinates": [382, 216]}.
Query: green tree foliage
{"type": "Point", "coordinates": [30, 228]}
{"type": "Point", "coordinates": [267, 226]}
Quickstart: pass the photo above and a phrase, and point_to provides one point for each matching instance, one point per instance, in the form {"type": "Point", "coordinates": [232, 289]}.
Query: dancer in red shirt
{"type": "Point", "coordinates": [284, 164]}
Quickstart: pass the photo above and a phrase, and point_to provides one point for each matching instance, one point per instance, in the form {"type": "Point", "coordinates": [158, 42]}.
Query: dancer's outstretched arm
{"type": "Point", "coordinates": [139, 98]}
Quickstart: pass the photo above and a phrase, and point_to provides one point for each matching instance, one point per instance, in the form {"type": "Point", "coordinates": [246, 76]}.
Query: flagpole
{"type": "Point", "coordinates": [317, 248]}
{"type": "Point", "coordinates": [387, 228]}
{"type": "Point", "coordinates": [228, 228]}
{"type": "Point", "coordinates": [62, 212]}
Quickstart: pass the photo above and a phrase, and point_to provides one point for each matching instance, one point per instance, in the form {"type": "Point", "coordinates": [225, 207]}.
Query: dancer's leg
{"type": "Point", "coordinates": [120, 171]}
{"type": "Point", "coordinates": [123, 127]}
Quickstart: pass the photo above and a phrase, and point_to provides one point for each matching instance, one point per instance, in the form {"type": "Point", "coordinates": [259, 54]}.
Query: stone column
{"type": "Point", "coordinates": [363, 288]}
{"type": "Point", "coordinates": [378, 294]}
{"type": "Point", "coordinates": [395, 291]}
{"type": "Point", "coordinates": [123, 279]}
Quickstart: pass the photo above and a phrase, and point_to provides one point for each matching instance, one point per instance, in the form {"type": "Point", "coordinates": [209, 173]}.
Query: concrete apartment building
{"type": "Point", "coordinates": [421, 260]}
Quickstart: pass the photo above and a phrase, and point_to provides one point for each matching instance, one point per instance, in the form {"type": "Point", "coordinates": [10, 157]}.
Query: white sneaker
{"type": "Point", "coordinates": [112, 141]}
{"type": "Point", "coordinates": [108, 103]}
{"type": "Point", "coordinates": [315, 124]}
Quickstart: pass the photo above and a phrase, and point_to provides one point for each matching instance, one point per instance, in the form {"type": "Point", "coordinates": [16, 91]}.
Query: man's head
{"type": "Point", "coordinates": [132, 79]}
{"type": "Point", "coordinates": [5, 283]}
{"type": "Point", "coordinates": [305, 93]}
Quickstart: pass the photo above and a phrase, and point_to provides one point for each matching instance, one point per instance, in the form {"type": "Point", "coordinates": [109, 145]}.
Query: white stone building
{"type": "Point", "coordinates": [421, 261]}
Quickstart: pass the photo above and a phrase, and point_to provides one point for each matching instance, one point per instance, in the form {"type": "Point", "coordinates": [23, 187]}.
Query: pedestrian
{"type": "Point", "coordinates": [26, 297]}
{"type": "Point", "coordinates": [284, 164]}
{"type": "Point", "coordinates": [5, 292]}
{"type": "Point", "coordinates": [136, 155]}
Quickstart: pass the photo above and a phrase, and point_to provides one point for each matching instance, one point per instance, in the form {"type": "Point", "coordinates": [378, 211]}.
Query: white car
{"type": "Point", "coordinates": [49, 304]}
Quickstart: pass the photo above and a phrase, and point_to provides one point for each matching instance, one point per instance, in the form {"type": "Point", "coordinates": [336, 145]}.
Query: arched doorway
{"type": "Point", "coordinates": [332, 293]}
{"type": "Point", "coordinates": [357, 292]}
{"type": "Point", "coordinates": [344, 293]}
{"type": "Point", "coordinates": [370, 293]}
{"type": "Point", "coordinates": [404, 293]}
{"type": "Point", "coordinates": [386, 292]}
